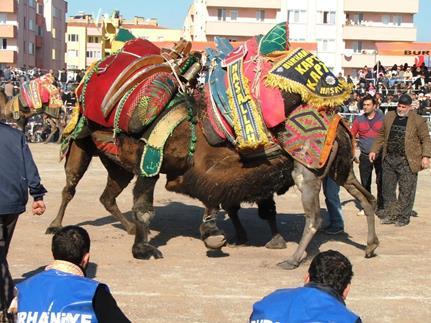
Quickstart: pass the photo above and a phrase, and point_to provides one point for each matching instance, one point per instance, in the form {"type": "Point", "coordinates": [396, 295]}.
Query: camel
{"type": "Point", "coordinates": [217, 176]}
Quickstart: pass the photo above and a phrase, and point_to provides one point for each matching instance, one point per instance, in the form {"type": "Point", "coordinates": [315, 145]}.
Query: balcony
{"type": "Point", "coordinates": [259, 4]}
{"type": "Point", "coordinates": [39, 41]}
{"type": "Point", "coordinates": [40, 20]}
{"type": "Point", "coordinates": [7, 57]}
{"type": "Point", "coordinates": [223, 28]}
{"type": "Point", "coordinates": [405, 6]}
{"type": "Point", "coordinates": [8, 31]}
{"type": "Point", "coordinates": [359, 60]}
{"type": "Point", "coordinates": [379, 33]}
{"type": "Point", "coordinates": [7, 6]}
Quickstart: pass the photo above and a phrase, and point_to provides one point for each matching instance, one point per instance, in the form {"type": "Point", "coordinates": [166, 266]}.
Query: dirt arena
{"type": "Point", "coordinates": [190, 285]}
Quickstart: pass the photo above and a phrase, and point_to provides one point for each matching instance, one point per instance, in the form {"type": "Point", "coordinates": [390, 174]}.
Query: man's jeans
{"type": "Point", "coordinates": [7, 226]}
{"type": "Point", "coordinates": [333, 204]}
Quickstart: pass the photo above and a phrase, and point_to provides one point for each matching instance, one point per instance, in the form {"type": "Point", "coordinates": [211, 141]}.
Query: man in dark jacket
{"type": "Point", "coordinates": [320, 300]}
{"type": "Point", "coordinates": [18, 176]}
{"type": "Point", "coordinates": [406, 147]}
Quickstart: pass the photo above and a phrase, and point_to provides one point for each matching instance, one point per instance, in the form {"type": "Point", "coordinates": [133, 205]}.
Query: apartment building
{"type": "Point", "coordinates": [32, 33]}
{"type": "Point", "coordinates": [345, 31]}
{"type": "Point", "coordinates": [85, 35]}
{"type": "Point", "coordinates": [83, 40]}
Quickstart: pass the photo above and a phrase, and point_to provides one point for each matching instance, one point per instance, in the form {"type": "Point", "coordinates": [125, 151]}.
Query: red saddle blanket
{"type": "Point", "coordinates": [97, 84]}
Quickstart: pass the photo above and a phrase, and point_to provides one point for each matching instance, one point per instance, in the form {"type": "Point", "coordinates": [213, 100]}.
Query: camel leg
{"type": "Point", "coordinates": [368, 204]}
{"type": "Point", "coordinates": [76, 165]}
{"type": "Point", "coordinates": [267, 211]}
{"type": "Point", "coordinates": [240, 233]}
{"type": "Point", "coordinates": [309, 184]}
{"type": "Point", "coordinates": [143, 213]}
{"type": "Point", "coordinates": [118, 179]}
{"type": "Point", "coordinates": [212, 236]}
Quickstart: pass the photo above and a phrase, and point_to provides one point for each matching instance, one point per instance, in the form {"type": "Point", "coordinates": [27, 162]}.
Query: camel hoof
{"type": "Point", "coordinates": [369, 251]}
{"type": "Point", "coordinates": [277, 242]}
{"type": "Point", "coordinates": [215, 242]}
{"type": "Point", "coordinates": [53, 230]}
{"type": "Point", "coordinates": [145, 251]}
{"type": "Point", "coordinates": [289, 264]}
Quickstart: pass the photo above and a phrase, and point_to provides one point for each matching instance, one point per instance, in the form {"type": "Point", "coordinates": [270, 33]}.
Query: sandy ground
{"type": "Point", "coordinates": [190, 285]}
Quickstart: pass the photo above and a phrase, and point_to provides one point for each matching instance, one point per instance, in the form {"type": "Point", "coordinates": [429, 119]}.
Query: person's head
{"type": "Point", "coordinates": [404, 105]}
{"type": "Point", "coordinates": [332, 269]}
{"type": "Point", "coordinates": [72, 244]}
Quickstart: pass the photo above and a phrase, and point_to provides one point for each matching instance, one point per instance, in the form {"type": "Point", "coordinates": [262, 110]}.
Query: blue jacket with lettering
{"type": "Point", "coordinates": [56, 296]}
{"type": "Point", "coordinates": [304, 304]}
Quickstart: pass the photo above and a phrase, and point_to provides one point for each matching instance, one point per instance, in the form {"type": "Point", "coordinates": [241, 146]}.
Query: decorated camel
{"type": "Point", "coordinates": [35, 97]}
{"type": "Point", "coordinates": [263, 122]}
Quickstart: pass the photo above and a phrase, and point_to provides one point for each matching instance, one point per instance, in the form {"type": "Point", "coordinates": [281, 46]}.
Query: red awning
{"type": "Point", "coordinates": [403, 48]}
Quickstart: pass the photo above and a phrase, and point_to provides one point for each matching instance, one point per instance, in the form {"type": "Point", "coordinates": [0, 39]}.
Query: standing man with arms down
{"type": "Point", "coordinates": [366, 127]}
{"type": "Point", "coordinates": [406, 150]}
{"type": "Point", "coordinates": [18, 176]}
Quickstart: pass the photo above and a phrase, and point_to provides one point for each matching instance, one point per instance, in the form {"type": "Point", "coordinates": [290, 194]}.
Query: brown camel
{"type": "Point", "coordinates": [218, 177]}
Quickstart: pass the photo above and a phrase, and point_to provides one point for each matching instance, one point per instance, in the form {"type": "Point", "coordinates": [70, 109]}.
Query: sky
{"type": "Point", "coordinates": [171, 13]}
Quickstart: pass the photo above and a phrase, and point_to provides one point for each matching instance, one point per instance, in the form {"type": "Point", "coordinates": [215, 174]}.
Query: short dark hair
{"type": "Point", "coordinates": [405, 99]}
{"type": "Point", "coordinates": [369, 97]}
{"type": "Point", "coordinates": [70, 244]}
{"type": "Point", "coordinates": [333, 269]}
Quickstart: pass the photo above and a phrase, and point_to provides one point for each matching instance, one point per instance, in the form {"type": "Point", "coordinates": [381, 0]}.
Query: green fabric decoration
{"type": "Point", "coordinates": [277, 39]}
{"type": "Point", "coordinates": [151, 161]}
{"type": "Point", "coordinates": [124, 35]}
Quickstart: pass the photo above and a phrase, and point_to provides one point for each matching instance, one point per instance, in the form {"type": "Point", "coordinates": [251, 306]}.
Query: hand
{"type": "Point", "coordinates": [372, 157]}
{"type": "Point", "coordinates": [38, 207]}
{"type": "Point", "coordinates": [425, 162]}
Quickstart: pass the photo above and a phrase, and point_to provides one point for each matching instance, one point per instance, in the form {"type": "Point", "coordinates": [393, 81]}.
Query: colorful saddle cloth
{"type": "Point", "coordinates": [41, 91]}
{"type": "Point", "coordinates": [309, 135]}
{"type": "Point", "coordinates": [239, 105]}
{"type": "Point", "coordinates": [126, 91]}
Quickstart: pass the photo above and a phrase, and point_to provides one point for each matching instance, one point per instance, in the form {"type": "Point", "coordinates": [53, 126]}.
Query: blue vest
{"type": "Point", "coordinates": [56, 296]}
{"type": "Point", "coordinates": [304, 304]}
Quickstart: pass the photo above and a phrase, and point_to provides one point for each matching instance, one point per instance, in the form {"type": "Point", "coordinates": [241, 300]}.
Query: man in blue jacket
{"type": "Point", "coordinates": [320, 300]}
{"type": "Point", "coordinates": [62, 293]}
{"type": "Point", "coordinates": [18, 176]}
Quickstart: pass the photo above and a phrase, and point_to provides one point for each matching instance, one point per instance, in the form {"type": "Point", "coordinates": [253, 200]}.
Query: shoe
{"type": "Point", "coordinates": [380, 213]}
{"type": "Point", "coordinates": [361, 213]}
{"type": "Point", "coordinates": [387, 221]}
{"type": "Point", "coordinates": [334, 230]}
{"type": "Point", "coordinates": [414, 214]}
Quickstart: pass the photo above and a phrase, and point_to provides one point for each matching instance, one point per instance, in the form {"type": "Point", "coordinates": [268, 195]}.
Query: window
{"type": "Point", "coordinates": [31, 24]}
{"type": "Point", "coordinates": [53, 54]}
{"type": "Point", "coordinates": [357, 46]}
{"type": "Point", "coordinates": [39, 9]}
{"type": "Point", "coordinates": [24, 22]}
{"type": "Point", "coordinates": [93, 39]}
{"type": "Point", "coordinates": [328, 17]}
{"type": "Point", "coordinates": [358, 19]}
{"type": "Point", "coordinates": [3, 18]}
{"type": "Point", "coordinates": [386, 19]}
{"type": "Point", "coordinates": [72, 53]}
{"type": "Point", "coordinates": [31, 48]}
{"type": "Point", "coordinates": [73, 38]}
{"type": "Point", "coordinates": [326, 45]}
{"type": "Point", "coordinates": [233, 14]}
{"type": "Point", "coordinates": [296, 16]}
{"type": "Point", "coordinates": [398, 20]}
{"type": "Point", "coordinates": [3, 43]}
{"type": "Point", "coordinates": [94, 54]}
{"type": "Point", "coordinates": [39, 31]}
{"type": "Point", "coordinates": [54, 33]}
{"type": "Point", "coordinates": [56, 12]}
{"type": "Point", "coordinates": [260, 15]}
{"type": "Point", "coordinates": [32, 3]}
{"type": "Point", "coordinates": [221, 14]}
